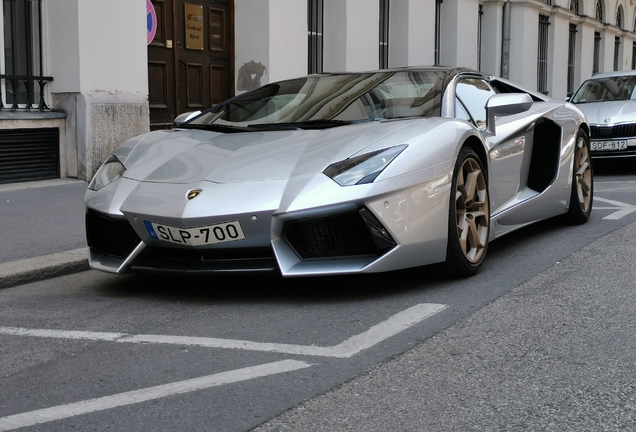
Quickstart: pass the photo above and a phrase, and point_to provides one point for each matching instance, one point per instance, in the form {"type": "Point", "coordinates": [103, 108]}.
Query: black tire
{"type": "Point", "coordinates": [468, 217]}
{"type": "Point", "coordinates": [582, 191]}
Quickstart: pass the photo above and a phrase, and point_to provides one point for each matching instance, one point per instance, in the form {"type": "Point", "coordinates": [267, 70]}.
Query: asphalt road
{"type": "Point", "coordinates": [540, 339]}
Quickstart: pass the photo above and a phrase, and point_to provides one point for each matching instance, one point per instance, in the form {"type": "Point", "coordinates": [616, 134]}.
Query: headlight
{"type": "Point", "coordinates": [364, 168]}
{"type": "Point", "coordinates": [110, 171]}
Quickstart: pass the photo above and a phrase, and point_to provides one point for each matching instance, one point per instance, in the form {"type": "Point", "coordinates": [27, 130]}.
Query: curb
{"type": "Point", "coordinates": [43, 267]}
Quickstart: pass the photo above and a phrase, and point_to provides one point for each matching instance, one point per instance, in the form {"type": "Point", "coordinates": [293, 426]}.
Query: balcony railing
{"type": "Point", "coordinates": [23, 92]}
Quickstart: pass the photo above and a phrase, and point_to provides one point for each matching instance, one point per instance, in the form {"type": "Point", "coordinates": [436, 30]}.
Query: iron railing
{"type": "Point", "coordinates": [571, 58]}
{"type": "Point", "coordinates": [438, 26]}
{"type": "Point", "coordinates": [617, 50]}
{"type": "Point", "coordinates": [597, 53]}
{"type": "Point", "coordinates": [384, 34]}
{"type": "Point", "coordinates": [14, 84]}
{"type": "Point", "coordinates": [24, 66]}
{"type": "Point", "coordinates": [315, 25]}
{"type": "Point", "coordinates": [480, 14]}
{"type": "Point", "coordinates": [542, 60]}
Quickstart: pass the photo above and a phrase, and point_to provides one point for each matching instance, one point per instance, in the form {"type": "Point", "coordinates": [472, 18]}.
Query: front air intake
{"type": "Point", "coordinates": [110, 236]}
{"type": "Point", "coordinates": [338, 235]}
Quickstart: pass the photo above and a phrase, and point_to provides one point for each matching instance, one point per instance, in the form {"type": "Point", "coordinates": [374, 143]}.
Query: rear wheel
{"type": "Point", "coordinates": [469, 217]}
{"type": "Point", "coordinates": [582, 192]}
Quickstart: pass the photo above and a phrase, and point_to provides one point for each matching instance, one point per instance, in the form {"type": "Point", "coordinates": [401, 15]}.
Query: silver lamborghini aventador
{"type": "Point", "coordinates": [342, 173]}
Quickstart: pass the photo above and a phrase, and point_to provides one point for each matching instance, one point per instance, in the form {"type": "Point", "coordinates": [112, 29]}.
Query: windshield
{"type": "Point", "coordinates": [606, 89]}
{"type": "Point", "coordinates": [332, 99]}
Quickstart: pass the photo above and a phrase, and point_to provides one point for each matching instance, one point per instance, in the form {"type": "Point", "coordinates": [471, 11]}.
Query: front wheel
{"type": "Point", "coordinates": [582, 192]}
{"type": "Point", "coordinates": [469, 217]}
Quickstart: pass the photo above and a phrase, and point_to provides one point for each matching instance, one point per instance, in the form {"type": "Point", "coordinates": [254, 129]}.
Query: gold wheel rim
{"type": "Point", "coordinates": [471, 209]}
{"type": "Point", "coordinates": [583, 174]}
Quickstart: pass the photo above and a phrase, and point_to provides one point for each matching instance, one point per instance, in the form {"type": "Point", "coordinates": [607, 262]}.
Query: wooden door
{"type": "Point", "coordinates": [190, 65]}
{"type": "Point", "coordinates": [205, 53]}
{"type": "Point", "coordinates": [161, 68]}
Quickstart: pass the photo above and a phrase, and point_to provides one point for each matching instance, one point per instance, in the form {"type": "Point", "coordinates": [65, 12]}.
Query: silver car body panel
{"type": "Point", "coordinates": [265, 179]}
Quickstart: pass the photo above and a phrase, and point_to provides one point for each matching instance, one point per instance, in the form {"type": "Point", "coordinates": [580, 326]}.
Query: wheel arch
{"type": "Point", "coordinates": [478, 147]}
{"type": "Point", "coordinates": [586, 128]}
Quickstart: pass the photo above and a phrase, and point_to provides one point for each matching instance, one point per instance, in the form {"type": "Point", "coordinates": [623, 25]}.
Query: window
{"type": "Point", "coordinates": [315, 10]}
{"type": "Point", "coordinates": [619, 17]}
{"type": "Point", "coordinates": [473, 93]}
{"type": "Point", "coordinates": [384, 34]}
{"type": "Point", "coordinates": [633, 55]}
{"type": "Point", "coordinates": [571, 58]}
{"type": "Point", "coordinates": [599, 11]}
{"type": "Point", "coordinates": [479, 28]}
{"type": "Point", "coordinates": [542, 60]}
{"type": "Point", "coordinates": [617, 47]}
{"type": "Point", "coordinates": [597, 52]}
{"type": "Point", "coordinates": [574, 6]}
{"type": "Point", "coordinates": [438, 24]}
{"type": "Point", "coordinates": [312, 101]}
{"type": "Point", "coordinates": [22, 55]}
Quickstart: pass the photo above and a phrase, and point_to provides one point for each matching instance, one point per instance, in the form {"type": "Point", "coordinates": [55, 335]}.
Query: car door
{"type": "Point", "coordinates": [505, 149]}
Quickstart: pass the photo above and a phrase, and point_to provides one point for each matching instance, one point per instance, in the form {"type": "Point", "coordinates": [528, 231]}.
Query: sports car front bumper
{"type": "Point", "coordinates": [299, 226]}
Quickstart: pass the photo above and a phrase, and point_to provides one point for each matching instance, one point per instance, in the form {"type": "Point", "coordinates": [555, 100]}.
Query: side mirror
{"type": "Point", "coordinates": [505, 104]}
{"type": "Point", "coordinates": [182, 118]}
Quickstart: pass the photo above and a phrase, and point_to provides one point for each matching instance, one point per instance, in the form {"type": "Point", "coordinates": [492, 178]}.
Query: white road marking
{"type": "Point", "coordinates": [350, 347]}
{"type": "Point", "coordinates": [136, 396]}
{"type": "Point", "coordinates": [623, 208]}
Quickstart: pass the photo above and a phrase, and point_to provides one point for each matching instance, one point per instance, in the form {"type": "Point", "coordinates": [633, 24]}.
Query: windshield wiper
{"type": "Point", "coordinates": [308, 124]}
{"type": "Point", "coordinates": [217, 127]}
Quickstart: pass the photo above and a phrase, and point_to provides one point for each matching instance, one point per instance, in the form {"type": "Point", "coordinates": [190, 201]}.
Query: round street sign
{"type": "Point", "coordinates": [151, 21]}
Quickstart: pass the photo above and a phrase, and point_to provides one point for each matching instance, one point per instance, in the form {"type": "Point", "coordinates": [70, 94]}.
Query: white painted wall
{"type": "Point", "coordinates": [251, 24]}
{"type": "Point", "coordinates": [491, 38]}
{"type": "Point", "coordinates": [523, 45]}
{"type": "Point", "coordinates": [351, 35]}
{"type": "Point", "coordinates": [584, 52]}
{"type": "Point", "coordinates": [363, 38]}
{"type": "Point", "coordinates": [287, 39]}
{"type": "Point", "coordinates": [411, 33]}
{"type": "Point", "coordinates": [62, 51]}
{"type": "Point", "coordinates": [112, 46]}
{"type": "Point", "coordinates": [335, 35]}
{"type": "Point", "coordinates": [558, 52]}
{"type": "Point", "coordinates": [459, 48]}
{"type": "Point", "coordinates": [265, 34]}
{"type": "Point", "coordinates": [97, 53]}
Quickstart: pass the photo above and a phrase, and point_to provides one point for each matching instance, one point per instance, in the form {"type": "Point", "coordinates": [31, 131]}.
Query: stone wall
{"type": "Point", "coordinates": [99, 123]}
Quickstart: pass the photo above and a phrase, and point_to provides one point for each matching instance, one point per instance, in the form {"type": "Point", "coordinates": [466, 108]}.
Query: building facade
{"type": "Point", "coordinates": [79, 77]}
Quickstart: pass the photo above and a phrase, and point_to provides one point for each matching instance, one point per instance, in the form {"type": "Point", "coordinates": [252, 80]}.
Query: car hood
{"type": "Point", "coordinates": [190, 155]}
{"type": "Point", "coordinates": [609, 112]}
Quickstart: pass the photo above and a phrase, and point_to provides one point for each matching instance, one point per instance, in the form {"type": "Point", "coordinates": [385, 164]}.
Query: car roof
{"type": "Point", "coordinates": [613, 74]}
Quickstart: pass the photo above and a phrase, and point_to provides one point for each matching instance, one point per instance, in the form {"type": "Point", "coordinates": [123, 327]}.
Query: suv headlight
{"type": "Point", "coordinates": [364, 168]}
{"type": "Point", "coordinates": [110, 171]}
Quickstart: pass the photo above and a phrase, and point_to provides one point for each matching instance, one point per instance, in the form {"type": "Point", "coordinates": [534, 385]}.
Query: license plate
{"type": "Point", "coordinates": [609, 145]}
{"type": "Point", "coordinates": [198, 236]}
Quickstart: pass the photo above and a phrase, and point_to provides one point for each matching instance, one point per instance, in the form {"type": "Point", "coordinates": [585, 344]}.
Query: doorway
{"type": "Point", "coordinates": [190, 59]}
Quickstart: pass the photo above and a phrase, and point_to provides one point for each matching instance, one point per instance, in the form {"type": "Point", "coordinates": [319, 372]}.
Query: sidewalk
{"type": "Point", "coordinates": [42, 232]}
{"type": "Point", "coordinates": [557, 353]}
